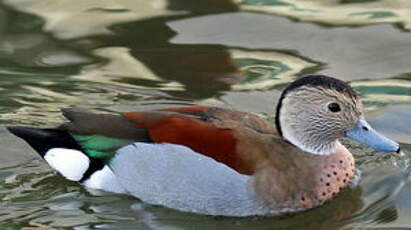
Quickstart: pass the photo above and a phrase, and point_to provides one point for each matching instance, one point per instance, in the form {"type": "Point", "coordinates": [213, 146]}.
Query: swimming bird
{"type": "Point", "coordinates": [218, 161]}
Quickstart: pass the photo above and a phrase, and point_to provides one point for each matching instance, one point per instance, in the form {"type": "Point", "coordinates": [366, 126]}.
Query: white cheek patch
{"type": "Point", "coordinates": [294, 137]}
{"type": "Point", "coordinates": [104, 179]}
{"type": "Point", "coordinates": [68, 162]}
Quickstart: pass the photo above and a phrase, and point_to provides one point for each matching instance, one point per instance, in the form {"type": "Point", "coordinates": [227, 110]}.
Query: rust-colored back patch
{"type": "Point", "coordinates": [202, 137]}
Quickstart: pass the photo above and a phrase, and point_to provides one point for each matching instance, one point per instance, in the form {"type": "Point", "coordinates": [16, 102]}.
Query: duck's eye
{"type": "Point", "coordinates": [334, 107]}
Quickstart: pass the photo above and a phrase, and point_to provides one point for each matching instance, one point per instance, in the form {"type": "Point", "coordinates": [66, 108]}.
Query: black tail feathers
{"type": "Point", "coordinates": [42, 140]}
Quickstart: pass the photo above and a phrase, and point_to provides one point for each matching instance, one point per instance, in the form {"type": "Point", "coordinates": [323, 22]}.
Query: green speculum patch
{"type": "Point", "coordinates": [97, 146]}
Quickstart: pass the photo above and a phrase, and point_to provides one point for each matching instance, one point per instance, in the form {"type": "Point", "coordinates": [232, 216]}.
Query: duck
{"type": "Point", "coordinates": [218, 161]}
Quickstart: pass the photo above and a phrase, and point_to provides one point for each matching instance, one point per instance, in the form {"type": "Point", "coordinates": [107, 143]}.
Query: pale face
{"type": "Point", "coordinates": [315, 111]}
{"type": "Point", "coordinates": [314, 118]}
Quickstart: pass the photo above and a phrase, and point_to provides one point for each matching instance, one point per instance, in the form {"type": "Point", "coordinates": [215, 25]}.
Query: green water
{"type": "Point", "coordinates": [137, 55]}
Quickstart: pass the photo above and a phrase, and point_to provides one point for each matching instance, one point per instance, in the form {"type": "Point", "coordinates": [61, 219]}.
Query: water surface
{"type": "Point", "coordinates": [127, 55]}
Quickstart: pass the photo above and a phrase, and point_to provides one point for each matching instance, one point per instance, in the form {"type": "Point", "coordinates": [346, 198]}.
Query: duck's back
{"type": "Point", "coordinates": [214, 132]}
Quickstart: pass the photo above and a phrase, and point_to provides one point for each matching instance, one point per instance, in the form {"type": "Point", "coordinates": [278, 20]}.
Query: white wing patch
{"type": "Point", "coordinates": [68, 162]}
{"type": "Point", "coordinates": [176, 177]}
{"type": "Point", "coordinates": [104, 179]}
{"type": "Point", "coordinates": [72, 164]}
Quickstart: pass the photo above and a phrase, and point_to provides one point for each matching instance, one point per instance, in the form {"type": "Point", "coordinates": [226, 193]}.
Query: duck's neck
{"type": "Point", "coordinates": [314, 144]}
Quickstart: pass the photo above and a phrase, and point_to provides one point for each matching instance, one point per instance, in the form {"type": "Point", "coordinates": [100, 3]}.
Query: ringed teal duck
{"type": "Point", "coordinates": [218, 161]}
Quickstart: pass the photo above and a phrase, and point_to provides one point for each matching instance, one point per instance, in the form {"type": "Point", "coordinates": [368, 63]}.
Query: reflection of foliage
{"type": "Point", "coordinates": [357, 1]}
{"type": "Point", "coordinates": [379, 93]}
{"type": "Point", "coordinates": [33, 182]}
{"type": "Point", "coordinates": [377, 14]}
{"type": "Point", "coordinates": [267, 69]}
{"type": "Point", "coordinates": [389, 214]}
{"type": "Point", "coordinates": [264, 2]}
{"type": "Point", "coordinates": [23, 22]}
{"type": "Point", "coordinates": [33, 196]}
{"type": "Point", "coordinates": [343, 12]}
{"type": "Point", "coordinates": [396, 90]}
{"type": "Point", "coordinates": [258, 70]}
{"type": "Point", "coordinates": [36, 97]}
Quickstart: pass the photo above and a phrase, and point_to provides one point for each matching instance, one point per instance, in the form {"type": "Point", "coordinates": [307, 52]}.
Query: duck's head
{"type": "Point", "coordinates": [315, 111]}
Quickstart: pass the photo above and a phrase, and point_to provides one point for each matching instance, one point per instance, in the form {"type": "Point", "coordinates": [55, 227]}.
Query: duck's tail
{"type": "Point", "coordinates": [63, 153]}
{"type": "Point", "coordinates": [60, 151]}
{"type": "Point", "coordinates": [42, 140]}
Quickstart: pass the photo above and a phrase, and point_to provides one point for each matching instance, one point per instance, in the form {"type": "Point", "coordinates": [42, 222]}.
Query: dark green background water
{"type": "Point", "coordinates": [136, 55]}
